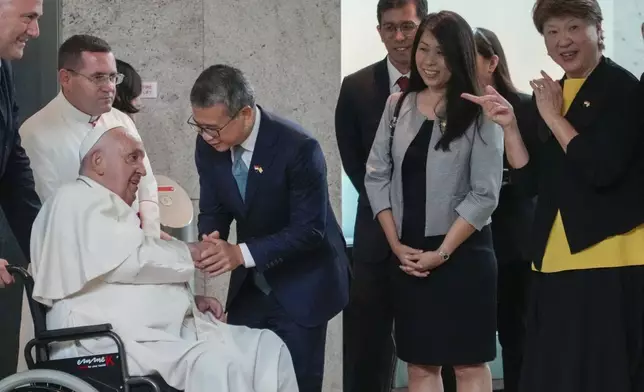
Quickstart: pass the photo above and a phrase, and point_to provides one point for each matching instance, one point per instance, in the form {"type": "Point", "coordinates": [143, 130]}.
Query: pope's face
{"type": "Point", "coordinates": [123, 166]}
{"type": "Point", "coordinates": [92, 86]}
{"type": "Point", "coordinates": [18, 24]}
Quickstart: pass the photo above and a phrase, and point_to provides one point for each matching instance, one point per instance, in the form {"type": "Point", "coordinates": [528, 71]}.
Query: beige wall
{"type": "Point", "coordinates": [289, 49]}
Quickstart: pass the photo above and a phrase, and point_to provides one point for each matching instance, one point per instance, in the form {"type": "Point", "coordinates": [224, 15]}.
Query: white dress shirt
{"type": "Point", "coordinates": [247, 156]}
{"type": "Point", "coordinates": [394, 75]}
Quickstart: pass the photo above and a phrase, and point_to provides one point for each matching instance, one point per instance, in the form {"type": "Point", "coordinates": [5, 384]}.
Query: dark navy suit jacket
{"type": "Point", "coordinates": [20, 205]}
{"type": "Point", "coordinates": [286, 221]}
{"type": "Point", "coordinates": [18, 197]}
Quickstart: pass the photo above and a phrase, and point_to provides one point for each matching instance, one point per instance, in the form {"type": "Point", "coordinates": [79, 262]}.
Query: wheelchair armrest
{"type": "Point", "coordinates": [75, 333]}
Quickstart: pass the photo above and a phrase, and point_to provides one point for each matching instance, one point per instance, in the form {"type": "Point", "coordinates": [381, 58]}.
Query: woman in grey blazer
{"type": "Point", "coordinates": [433, 187]}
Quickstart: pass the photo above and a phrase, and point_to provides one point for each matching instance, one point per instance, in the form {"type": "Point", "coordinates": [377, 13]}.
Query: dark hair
{"type": "Point", "coordinates": [70, 52]}
{"type": "Point", "coordinates": [386, 5]}
{"type": "Point", "coordinates": [222, 84]}
{"type": "Point", "coordinates": [488, 45]}
{"type": "Point", "coordinates": [457, 42]}
{"type": "Point", "coordinates": [584, 9]}
{"type": "Point", "coordinates": [129, 89]}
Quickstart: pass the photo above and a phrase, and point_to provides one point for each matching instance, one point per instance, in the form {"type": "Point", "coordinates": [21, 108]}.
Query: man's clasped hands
{"type": "Point", "coordinates": [212, 255]}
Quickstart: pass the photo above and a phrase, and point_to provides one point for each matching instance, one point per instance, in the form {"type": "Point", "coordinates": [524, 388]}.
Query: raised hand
{"type": "Point", "coordinates": [494, 106]}
{"type": "Point", "coordinates": [549, 96]}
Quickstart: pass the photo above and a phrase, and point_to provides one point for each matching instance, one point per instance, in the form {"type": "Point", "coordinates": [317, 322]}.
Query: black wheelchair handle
{"type": "Point", "coordinates": [20, 271]}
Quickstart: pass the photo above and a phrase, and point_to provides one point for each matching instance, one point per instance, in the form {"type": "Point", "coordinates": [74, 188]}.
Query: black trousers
{"type": "Point", "coordinates": [254, 309]}
{"type": "Point", "coordinates": [369, 360]}
{"type": "Point", "coordinates": [10, 312]}
{"type": "Point", "coordinates": [513, 291]}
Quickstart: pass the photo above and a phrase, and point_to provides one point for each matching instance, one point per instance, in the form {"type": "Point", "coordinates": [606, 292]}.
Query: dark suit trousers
{"type": "Point", "coordinates": [254, 309]}
{"type": "Point", "coordinates": [513, 289]}
{"type": "Point", "coordinates": [370, 354]}
{"type": "Point", "coordinates": [10, 310]}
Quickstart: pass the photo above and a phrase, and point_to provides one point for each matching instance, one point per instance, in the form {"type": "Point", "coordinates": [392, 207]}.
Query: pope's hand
{"type": "Point", "coordinates": [165, 236]}
{"type": "Point", "coordinates": [212, 305]}
{"type": "Point", "coordinates": [5, 277]}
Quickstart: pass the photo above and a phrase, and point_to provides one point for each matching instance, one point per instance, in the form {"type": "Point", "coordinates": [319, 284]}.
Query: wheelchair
{"type": "Point", "coordinates": [96, 373]}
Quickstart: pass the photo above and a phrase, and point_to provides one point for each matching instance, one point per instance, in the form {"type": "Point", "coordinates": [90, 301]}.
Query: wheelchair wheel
{"type": "Point", "coordinates": [43, 380]}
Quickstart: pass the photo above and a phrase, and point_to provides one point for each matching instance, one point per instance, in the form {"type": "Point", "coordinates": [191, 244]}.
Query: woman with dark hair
{"type": "Point", "coordinates": [129, 91]}
{"type": "Point", "coordinates": [512, 219]}
{"type": "Point", "coordinates": [433, 179]}
{"type": "Point", "coordinates": [586, 319]}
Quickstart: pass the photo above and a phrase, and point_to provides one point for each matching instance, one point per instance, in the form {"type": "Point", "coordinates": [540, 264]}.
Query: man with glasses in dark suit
{"type": "Point", "coordinates": [369, 350]}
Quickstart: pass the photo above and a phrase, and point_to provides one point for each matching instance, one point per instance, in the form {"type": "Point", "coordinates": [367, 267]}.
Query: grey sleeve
{"type": "Point", "coordinates": [378, 174]}
{"type": "Point", "coordinates": [486, 174]}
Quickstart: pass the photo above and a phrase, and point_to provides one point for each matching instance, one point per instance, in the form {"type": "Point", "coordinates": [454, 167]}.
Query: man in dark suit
{"type": "Point", "coordinates": [18, 199]}
{"type": "Point", "coordinates": [289, 269]}
{"type": "Point", "coordinates": [369, 357]}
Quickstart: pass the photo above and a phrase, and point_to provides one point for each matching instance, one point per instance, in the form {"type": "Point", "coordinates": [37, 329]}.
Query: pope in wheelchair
{"type": "Point", "coordinates": [93, 265]}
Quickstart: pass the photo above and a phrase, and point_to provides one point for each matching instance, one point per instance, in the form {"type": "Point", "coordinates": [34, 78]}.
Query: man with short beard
{"type": "Point", "coordinates": [88, 77]}
{"type": "Point", "coordinates": [19, 201]}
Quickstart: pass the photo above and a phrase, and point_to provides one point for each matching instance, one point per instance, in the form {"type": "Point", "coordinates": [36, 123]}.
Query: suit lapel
{"type": "Point", "coordinates": [585, 104]}
{"type": "Point", "coordinates": [263, 156]}
{"type": "Point", "coordinates": [381, 83]}
{"type": "Point", "coordinates": [4, 97]}
{"type": "Point", "coordinates": [589, 98]}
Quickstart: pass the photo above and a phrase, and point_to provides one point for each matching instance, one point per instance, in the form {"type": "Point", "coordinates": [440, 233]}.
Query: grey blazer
{"type": "Point", "coordinates": [464, 181]}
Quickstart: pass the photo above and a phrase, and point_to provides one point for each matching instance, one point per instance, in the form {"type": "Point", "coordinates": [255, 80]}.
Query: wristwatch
{"type": "Point", "coordinates": [443, 255]}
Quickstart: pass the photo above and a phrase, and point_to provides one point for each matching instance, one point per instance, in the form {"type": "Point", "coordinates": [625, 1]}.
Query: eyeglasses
{"type": "Point", "coordinates": [210, 130]}
{"type": "Point", "coordinates": [101, 79]}
{"type": "Point", "coordinates": [406, 28]}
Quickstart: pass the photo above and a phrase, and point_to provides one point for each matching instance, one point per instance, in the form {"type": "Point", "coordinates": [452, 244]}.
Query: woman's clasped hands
{"type": "Point", "coordinates": [416, 262]}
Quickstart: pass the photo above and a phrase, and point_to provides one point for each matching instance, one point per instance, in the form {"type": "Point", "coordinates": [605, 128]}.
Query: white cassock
{"type": "Point", "coordinates": [52, 138]}
{"type": "Point", "coordinates": [92, 264]}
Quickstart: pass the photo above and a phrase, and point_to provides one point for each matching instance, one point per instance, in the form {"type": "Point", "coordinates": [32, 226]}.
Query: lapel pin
{"type": "Point", "coordinates": [587, 104]}
{"type": "Point", "coordinates": [258, 169]}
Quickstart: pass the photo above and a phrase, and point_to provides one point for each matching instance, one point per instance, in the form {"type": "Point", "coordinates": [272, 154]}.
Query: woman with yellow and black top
{"type": "Point", "coordinates": [586, 319]}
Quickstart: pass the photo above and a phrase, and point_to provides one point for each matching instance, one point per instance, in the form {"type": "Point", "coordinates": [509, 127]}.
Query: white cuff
{"type": "Point", "coordinates": [249, 262]}
{"type": "Point", "coordinates": [150, 219]}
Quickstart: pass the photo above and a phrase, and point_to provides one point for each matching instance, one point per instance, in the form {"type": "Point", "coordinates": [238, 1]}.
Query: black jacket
{"type": "Point", "coordinates": [360, 105]}
{"type": "Point", "coordinates": [598, 185]}
{"type": "Point", "coordinates": [513, 217]}
{"type": "Point", "coordinates": [18, 197]}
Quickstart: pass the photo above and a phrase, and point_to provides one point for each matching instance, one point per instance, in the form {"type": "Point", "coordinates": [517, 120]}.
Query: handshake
{"type": "Point", "coordinates": [215, 256]}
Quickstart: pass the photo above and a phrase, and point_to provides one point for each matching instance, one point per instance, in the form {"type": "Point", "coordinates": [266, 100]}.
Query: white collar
{"type": "Point", "coordinates": [249, 143]}
{"type": "Point", "coordinates": [394, 74]}
{"type": "Point", "coordinates": [71, 110]}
